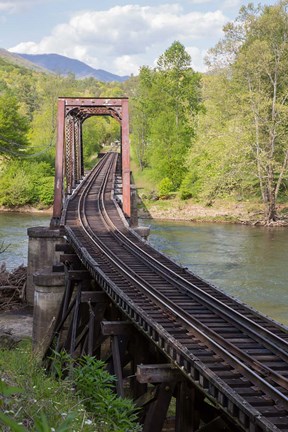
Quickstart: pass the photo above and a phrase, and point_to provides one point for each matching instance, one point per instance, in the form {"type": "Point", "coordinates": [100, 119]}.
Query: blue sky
{"type": "Point", "coordinates": [119, 36]}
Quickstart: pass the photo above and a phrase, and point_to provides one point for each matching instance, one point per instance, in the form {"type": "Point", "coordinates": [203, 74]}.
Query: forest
{"type": "Point", "coordinates": [198, 136]}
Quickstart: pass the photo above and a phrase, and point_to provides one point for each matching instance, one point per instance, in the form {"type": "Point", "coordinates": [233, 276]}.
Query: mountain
{"type": "Point", "coordinates": [64, 65]}
{"type": "Point", "coordinates": [18, 60]}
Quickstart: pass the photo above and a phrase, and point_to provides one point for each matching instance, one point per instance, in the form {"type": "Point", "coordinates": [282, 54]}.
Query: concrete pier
{"type": "Point", "coordinates": [41, 254]}
{"type": "Point", "coordinates": [49, 290]}
{"type": "Point", "coordinates": [143, 231]}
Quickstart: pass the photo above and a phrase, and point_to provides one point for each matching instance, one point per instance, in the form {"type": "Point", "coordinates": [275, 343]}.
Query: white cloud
{"type": "Point", "coordinates": [232, 4]}
{"type": "Point", "coordinates": [14, 6]}
{"type": "Point", "coordinates": [125, 65]}
{"type": "Point", "coordinates": [197, 56]}
{"type": "Point", "coordinates": [200, 1]}
{"type": "Point", "coordinates": [123, 37]}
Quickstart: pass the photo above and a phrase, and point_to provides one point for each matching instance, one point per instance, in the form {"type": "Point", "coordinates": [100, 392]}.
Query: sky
{"type": "Point", "coordinates": [118, 36]}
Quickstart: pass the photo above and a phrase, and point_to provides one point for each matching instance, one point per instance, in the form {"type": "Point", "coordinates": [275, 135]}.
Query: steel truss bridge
{"type": "Point", "coordinates": [163, 331]}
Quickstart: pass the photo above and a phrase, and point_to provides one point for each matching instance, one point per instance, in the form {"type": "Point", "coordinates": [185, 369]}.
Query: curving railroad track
{"type": "Point", "coordinates": [232, 353]}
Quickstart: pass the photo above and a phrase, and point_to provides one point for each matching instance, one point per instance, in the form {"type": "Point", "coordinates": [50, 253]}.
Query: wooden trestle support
{"type": "Point", "coordinates": [90, 324]}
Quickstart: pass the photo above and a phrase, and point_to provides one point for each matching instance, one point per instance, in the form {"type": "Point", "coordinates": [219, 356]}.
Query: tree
{"type": "Point", "coordinates": [163, 127]}
{"type": "Point", "coordinates": [141, 112]}
{"type": "Point", "coordinates": [218, 161]}
{"type": "Point", "coordinates": [13, 127]}
{"type": "Point", "coordinates": [255, 50]}
{"type": "Point", "coordinates": [98, 130]}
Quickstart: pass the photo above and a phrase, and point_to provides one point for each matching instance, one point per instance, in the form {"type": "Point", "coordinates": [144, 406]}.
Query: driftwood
{"type": "Point", "coordinates": [12, 287]}
{"type": "Point", "coordinates": [7, 287]}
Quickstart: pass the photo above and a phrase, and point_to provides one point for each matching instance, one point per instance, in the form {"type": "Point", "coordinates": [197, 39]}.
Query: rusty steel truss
{"type": "Point", "coordinates": [69, 164]}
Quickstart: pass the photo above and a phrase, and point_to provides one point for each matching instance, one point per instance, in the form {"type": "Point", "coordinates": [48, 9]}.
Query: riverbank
{"type": "Point", "coordinates": [175, 209]}
{"type": "Point", "coordinates": [231, 210]}
{"type": "Point", "coordinates": [222, 211]}
{"type": "Point", "coordinates": [26, 209]}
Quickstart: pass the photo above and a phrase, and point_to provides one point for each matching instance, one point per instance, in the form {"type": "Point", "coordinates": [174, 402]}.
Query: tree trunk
{"type": "Point", "coordinates": [271, 212]}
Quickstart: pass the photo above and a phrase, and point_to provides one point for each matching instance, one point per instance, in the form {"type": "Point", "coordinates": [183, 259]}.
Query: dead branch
{"type": "Point", "coordinates": [12, 287]}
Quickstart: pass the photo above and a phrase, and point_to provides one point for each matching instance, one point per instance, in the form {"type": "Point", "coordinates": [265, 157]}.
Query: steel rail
{"type": "Point", "coordinates": [241, 322]}
{"type": "Point", "coordinates": [240, 409]}
{"type": "Point", "coordinates": [187, 286]}
{"type": "Point", "coordinates": [275, 342]}
{"type": "Point", "coordinates": [255, 364]}
{"type": "Point", "coordinates": [264, 370]}
{"type": "Point", "coordinates": [242, 412]}
{"type": "Point", "coordinates": [194, 325]}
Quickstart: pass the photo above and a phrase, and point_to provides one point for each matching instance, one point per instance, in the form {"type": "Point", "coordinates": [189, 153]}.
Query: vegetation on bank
{"type": "Point", "coordinates": [32, 401]}
{"type": "Point", "coordinates": [238, 135]}
{"type": "Point", "coordinates": [219, 135]}
{"type": "Point", "coordinates": [28, 107]}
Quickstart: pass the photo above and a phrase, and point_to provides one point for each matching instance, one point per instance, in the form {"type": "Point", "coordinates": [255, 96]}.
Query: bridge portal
{"type": "Point", "coordinates": [69, 164]}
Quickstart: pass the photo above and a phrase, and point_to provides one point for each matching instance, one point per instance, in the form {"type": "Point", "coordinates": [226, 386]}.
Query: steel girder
{"type": "Point", "coordinates": [69, 166]}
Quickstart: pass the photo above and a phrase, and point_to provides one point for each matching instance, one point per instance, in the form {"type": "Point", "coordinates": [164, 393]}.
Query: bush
{"type": "Point", "coordinates": [17, 190]}
{"type": "Point", "coordinates": [165, 187]}
{"type": "Point", "coordinates": [95, 385]}
{"type": "Point", "coordinates": [185, 189]}
{"type": "Point", "coordinates": [190, 186]}
{"type": "Point", "coordinates": [46, 191]}
{"type": "Point", "coordinates": [30, 401]}
{"type": "Point", "coordinates": [23, 183]}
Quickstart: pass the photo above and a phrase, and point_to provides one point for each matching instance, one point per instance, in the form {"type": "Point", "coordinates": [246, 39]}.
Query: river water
{"type": "Point", "coordinates": [13, 232]}
{"type": "Point", "coordinates": [249, 263]}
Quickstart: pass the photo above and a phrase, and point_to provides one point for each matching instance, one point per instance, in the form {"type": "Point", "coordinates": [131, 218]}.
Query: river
{"type": "Point", "coordinates": [249, 263]}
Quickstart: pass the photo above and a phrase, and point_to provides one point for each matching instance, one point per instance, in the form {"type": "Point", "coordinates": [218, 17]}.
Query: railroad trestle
{"type": "Point", "coordinates": [167, 334]}
{"type": "Point", "coordinates": [89, 323]}
{"type": "Point", "coordinates": [229, 360]}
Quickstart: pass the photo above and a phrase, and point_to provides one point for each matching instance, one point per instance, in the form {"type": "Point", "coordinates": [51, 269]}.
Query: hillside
{"type": "Point", "coordinates": [17, 60]}
{"type": "Point", "coordinates": [64, 65]}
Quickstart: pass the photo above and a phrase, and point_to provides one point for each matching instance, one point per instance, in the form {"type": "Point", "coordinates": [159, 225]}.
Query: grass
{"type": "Point", "coordinates": [83, 400]}
{"type": "Point", "coordinates": [39, 403]}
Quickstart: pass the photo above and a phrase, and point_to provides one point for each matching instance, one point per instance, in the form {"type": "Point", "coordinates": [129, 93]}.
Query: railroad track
{"type": "Point", "coordinates": [237, 356]}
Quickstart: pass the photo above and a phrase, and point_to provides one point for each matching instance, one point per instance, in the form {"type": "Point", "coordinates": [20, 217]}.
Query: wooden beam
{"type": "Point", "coordinates": [117, 365]}
{"type": "Point", "coordinates": [75, 321]}
{"type": "Point", "coordinates": [94, 297]}
{"type": "Point", "coordinates": [157, 412]}
{"type": "Point", "coordinates": [79, 275]}
{"type": "Point", "coordinates": [158, 373]}
{"type": "Point", "coordinates": [70, 258]}
{"type": "Point", "coordinates": [114, 328]}
{"type": "Point", "coordinates": [64, 247]}
{"type": "Point", "coordinates": [146, 398]}
{"type": "Point", "coordinates": [216, 425]}
{"type": "Point", "coordinates": [187, 416]}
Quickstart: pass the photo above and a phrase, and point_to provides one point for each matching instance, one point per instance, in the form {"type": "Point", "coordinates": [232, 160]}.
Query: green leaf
{"type": "Point", "coordinates": [15, 427]}
{"type": "Point", "coordinates": [7, 390]}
